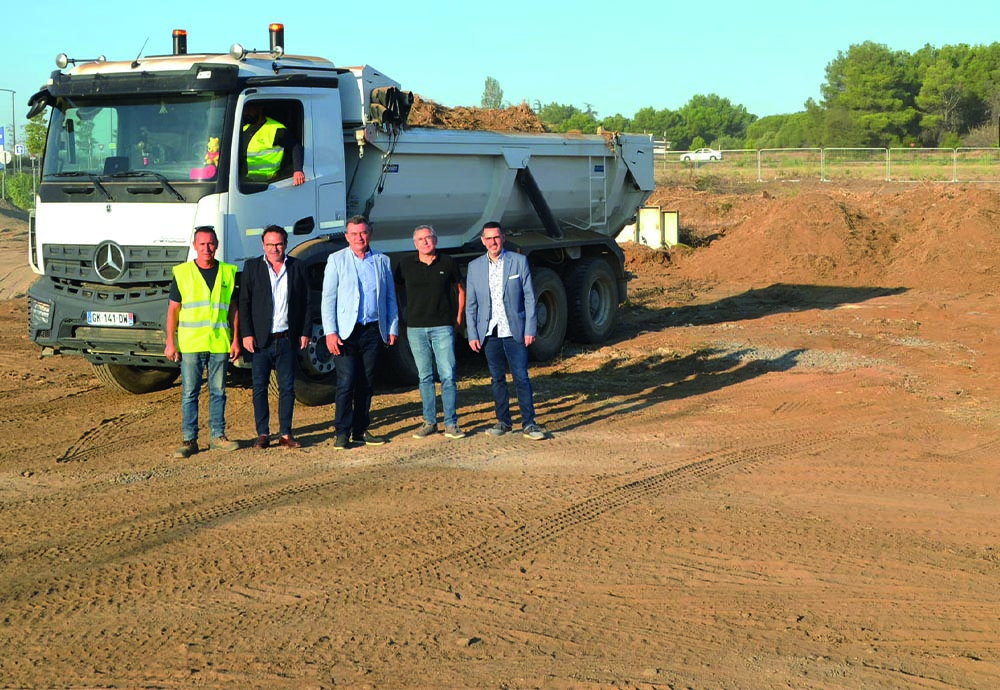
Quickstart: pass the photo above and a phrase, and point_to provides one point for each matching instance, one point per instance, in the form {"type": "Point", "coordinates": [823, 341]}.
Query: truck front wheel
{"type": "Point", "coordinates": [139, 380]}
{"type": "Point", "coordinates": [593, 308]}
{"type": "Point", "coordinates": [315, 375]}
{"type": "Point", "coordinates": [550, 308]}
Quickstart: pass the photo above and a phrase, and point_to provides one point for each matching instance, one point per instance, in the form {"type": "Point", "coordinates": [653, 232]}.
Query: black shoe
{"type": "Point", "coordinates": [370, 439]}
{"type": "Point", "coordinates": [342, 442]}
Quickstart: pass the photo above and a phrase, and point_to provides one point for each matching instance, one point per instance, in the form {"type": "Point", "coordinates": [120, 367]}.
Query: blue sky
{"type": "Point", "coordinates": [768, 56]}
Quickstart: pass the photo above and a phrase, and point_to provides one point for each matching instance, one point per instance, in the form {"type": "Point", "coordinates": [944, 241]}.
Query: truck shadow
{"type": "Point", "coordinates": [753, 304]}
{"type": "Point", "coordinates": [569, 398]}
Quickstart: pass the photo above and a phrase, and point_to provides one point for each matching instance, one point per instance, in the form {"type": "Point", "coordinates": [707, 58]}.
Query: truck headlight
{"type": "Point", "coordinates": [39, 314]}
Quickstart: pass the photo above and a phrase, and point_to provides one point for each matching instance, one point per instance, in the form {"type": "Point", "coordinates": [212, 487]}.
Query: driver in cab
{"type": "Point", "coordinates": [267, 142]}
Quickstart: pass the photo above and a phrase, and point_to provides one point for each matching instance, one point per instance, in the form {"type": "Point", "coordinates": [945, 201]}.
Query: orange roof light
{"type": "Point", "coordinates": [277, 32]}
{"type": "Point", "coordinates": [180, 42]}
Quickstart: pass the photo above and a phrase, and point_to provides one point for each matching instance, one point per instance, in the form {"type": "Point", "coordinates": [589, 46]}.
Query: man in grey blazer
{"type": "Point", "coordinates": [359, 314]}
{"type": "Point", "coordinates": [500, 317]}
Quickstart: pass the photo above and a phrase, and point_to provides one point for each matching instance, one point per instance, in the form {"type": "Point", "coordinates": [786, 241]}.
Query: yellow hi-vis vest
{"type": "Point", "coordinates": [203, 324]}
{"type": "Point", "coordinates": [263, 157]}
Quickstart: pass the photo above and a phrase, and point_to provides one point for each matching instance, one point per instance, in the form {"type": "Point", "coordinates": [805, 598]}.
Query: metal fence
{"type": "Point", "coordinates": [839, 165]}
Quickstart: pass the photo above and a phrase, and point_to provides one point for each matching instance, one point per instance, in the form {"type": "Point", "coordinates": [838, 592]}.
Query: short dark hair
{"type": "Point", "coordinates": [275, 228]}
{"type": "Point", "coordinates": [359, 220]}
{"type": "Point", "coordinates": [208, 229]}
{"type": "Point", "coordinates": [490, 225]}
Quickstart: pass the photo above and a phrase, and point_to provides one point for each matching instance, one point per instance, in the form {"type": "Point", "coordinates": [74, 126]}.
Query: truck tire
{"type": "Point", "coordinates": [139, 380]}
{"type": "Point", "coordinates": [593, 309]}
{"type": "Point", "coordinates": [550, 307]}
{"type": "Point", "coordinates": [315, 372]}
{"type": "Point", "coordinates": [398, 360]}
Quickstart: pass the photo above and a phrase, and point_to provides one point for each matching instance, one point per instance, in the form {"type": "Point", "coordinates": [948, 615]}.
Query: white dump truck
{"type": "Point", "coordinates": [141, 152]}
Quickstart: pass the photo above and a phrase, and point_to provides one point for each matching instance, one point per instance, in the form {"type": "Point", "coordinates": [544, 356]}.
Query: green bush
{"type": "Point", "coordinates": [20, 191]}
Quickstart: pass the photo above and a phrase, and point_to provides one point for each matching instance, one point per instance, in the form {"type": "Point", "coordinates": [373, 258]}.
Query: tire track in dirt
{"type": "Point", "coordinates": [18, 415]}
{"type": "Point", "coordinates": [111, 434]}
{"type": "Point", "coordinates": [64, 554]}
{"type": "Point", "coordinates": [545, 528]}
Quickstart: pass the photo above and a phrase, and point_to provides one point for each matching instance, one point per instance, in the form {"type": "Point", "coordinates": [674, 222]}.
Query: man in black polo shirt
{"type": "Point", "coordinates": [432, 317]}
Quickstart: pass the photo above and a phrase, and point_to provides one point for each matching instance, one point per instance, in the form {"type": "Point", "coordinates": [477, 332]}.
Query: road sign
{"type": "Point", "coordinates": [19, 149]}
{"type": "Point", "coordinates": [1, 136]}
{"type": "Point", "coordinates": [5, 157]}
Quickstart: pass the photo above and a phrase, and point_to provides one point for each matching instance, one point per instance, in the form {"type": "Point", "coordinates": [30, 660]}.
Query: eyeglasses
{"type": "Point", "coordinates": [276, 245]}
{"type": "Point", "coordinates": [359, 232]}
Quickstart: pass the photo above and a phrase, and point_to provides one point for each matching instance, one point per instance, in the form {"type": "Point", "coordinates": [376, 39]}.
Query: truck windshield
{"type": "Point", "coordinates": [174, 138]}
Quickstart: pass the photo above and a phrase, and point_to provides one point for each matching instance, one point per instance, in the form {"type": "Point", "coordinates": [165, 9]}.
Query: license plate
{"type": "Point", "coordinates": [110, 318]}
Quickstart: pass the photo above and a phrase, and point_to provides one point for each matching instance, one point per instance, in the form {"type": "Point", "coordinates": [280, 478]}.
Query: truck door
{"type": "Point", "coordinates": [263, 173]}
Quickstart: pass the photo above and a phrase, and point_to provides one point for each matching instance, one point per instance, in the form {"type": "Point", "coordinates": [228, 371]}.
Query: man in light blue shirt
{"type": "Point", "coordinates": [359, 314]}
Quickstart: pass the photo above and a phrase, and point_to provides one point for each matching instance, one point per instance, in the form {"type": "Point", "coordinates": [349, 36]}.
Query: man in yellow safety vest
{"type": "Point", "coordinates": [199, 335]}
{"type": "Point", "coordinates": [267, 142]}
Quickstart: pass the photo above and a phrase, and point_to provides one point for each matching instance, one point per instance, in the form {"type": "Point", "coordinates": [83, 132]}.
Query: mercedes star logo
{"type": "Point", "coordinates": [109, 261]}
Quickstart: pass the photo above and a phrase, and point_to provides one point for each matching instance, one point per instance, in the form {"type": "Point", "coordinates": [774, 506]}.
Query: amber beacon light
{"type": "Point", "coordinates": [180, 42]}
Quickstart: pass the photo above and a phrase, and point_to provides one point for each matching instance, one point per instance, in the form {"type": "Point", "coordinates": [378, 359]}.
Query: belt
{"type": "Point", "coordinates": [279, 335]}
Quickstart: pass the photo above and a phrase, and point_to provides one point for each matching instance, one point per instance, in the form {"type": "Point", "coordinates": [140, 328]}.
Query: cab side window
{"type": "Point", "coordinates": [271, 147]}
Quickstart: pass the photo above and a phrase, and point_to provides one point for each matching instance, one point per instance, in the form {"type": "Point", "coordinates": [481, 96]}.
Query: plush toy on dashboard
{"type": "Point", "coordinates": [212, 157]}
{"type": "Point", "coordinates": [211, 162]}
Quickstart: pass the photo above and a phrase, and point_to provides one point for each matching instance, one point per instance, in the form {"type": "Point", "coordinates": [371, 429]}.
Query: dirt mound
{"type": "Point", "coordinates": [926, 236]}
{"type": "Point", "coordinates": [518, 118]}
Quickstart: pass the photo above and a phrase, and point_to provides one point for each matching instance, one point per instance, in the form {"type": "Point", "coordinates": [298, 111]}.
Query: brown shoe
{"type": "Point", "coordinates": [288, 442]}
{"type": "Point", "coordinates": [186, 449]}
{"type": "Point", "coordinates": [262, 442]}
{"type": "Point", "coordinates": [223, 443]}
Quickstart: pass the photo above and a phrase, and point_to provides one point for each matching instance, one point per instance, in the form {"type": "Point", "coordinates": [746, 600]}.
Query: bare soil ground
{"type": "Point", "coordinates": [781, 473]}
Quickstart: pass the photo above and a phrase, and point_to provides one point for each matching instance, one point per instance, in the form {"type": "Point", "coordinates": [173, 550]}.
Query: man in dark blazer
{"type": "Point", "coordinates": [274, 306]}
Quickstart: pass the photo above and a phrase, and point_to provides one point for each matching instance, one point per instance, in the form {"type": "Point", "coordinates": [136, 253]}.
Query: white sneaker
{"type": "Point", "coordinates": [534, 432]}
{"type": "Point", "coordinates": [452, 431]}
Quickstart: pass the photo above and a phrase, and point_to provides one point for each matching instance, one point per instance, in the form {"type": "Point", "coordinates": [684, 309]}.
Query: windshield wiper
{"type": "Point", "coordinates": [90, 176]}
{"type": "Point", "coordinates": [149, 173]}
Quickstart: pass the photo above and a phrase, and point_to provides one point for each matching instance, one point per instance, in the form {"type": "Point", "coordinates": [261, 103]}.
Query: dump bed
{"type": "Point", "coordinates": [457, 180]}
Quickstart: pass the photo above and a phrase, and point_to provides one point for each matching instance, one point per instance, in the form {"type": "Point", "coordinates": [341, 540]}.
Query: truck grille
{"type": "Point", "coordinates": [76, 262]}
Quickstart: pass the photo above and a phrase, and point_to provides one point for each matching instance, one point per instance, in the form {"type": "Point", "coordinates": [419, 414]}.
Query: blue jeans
{"type": "Point", "coordinates": [501, 352]}
{"type": "Point", "coordinates": [355, 368]}
{"type": "Point", "coordinates": [435, 346]}
{"type": "Point", "coordinates": [278, 356]}
{"type": "Point", "coordinates": [192, 368]}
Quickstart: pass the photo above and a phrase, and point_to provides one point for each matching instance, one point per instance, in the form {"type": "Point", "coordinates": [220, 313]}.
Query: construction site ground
{"type": "Point", "coordinates": [781, 472]}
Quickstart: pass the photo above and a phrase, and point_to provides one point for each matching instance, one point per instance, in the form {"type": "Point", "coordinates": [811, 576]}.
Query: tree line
{"type": "Point", "coordinates": [872, 96]}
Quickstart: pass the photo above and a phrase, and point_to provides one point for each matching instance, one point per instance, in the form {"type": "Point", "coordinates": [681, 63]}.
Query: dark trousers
{"type": "Point", "coordinates": [279, 357]}
{"type": "Point", "coordinates": [355, 369]}
{"type": "Point", "coordinates": [501, 353]}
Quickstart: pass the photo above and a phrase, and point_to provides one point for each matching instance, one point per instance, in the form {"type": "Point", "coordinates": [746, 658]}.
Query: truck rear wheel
{"type": "Point", "coordinates": [550, 307]}
{"type": "Point", "coordinates": [139, 380]}
{"type": "Point", "coordinates": [593, 307]}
